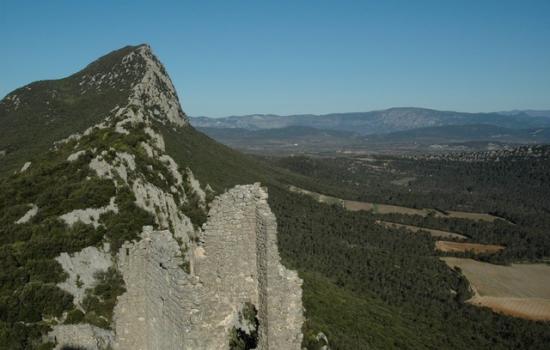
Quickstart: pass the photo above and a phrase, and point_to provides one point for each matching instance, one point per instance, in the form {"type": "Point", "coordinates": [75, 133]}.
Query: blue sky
{"type": "Point", "coordinates": [287, 57]}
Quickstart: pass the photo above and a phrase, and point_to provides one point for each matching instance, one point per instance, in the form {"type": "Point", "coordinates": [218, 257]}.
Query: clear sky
{"type": "Point", "coordinates": [235, 57]}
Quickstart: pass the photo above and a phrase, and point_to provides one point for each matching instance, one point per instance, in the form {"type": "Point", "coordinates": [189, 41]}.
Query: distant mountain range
{"type": "Point", "coordinates": [530, 112]}
{"type": "Point", "coordinates": [377, 122]}
{"type": "Point", "coordinates": [461, 133]}
{"type": "Point", "coordinates": [402, 129]}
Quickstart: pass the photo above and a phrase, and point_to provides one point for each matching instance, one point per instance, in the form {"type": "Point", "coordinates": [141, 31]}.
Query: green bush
{"type": "Point", "coordinates": [127, 223]}
{"type": "Point", "coordinates": [38, 301]}
{"type": "Point", "coordinates": [245, 340]}
{"type": "Point", "coordinates": [74, 316]}
{"type": "Point", "coordinates": [100, 301]}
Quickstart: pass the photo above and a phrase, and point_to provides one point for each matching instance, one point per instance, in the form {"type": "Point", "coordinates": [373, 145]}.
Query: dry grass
{"type": "Point", "coordinates": [317, 196]}
{"type": "Point", "coordinates": [383, 208]}
{"type": "Point", "coordinates": [392, 209]}
{"type": "Point", "coordinates": [432, 232]}
{"type": "Point", "coordinates": [470, 216]}
{"type": "Point", "coordinates": [461, 247]}
{"type": "Point", "coordinates": [529, 308]}
{"type": "Point", "coordinates": [521, 290]}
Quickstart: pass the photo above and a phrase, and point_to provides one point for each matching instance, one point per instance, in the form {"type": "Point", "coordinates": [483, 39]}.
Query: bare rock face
{"type": "Point", "coordinates": [81, 268]}
{"type": "Point", "coordinates": [89, 216]}
{"type": "Point", "coordinates": [167, 308]}
{"type": "Point", "coordinates": [28, 215]}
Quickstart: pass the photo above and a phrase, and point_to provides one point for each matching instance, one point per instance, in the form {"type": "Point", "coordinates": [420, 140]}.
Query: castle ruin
{"type": "Point", "coordinates": [236, 263]}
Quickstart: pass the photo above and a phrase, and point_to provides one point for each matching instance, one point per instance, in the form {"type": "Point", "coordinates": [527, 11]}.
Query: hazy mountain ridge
{"type": "Point", "coordinates": [529, 112]}
{"type": "Point", "coordinates": [375, 122]}
{"type": "Point", "coordinates": [470, 132]}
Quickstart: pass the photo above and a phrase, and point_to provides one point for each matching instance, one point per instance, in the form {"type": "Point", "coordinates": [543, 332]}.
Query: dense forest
{"type": "Point", "coordinates": [515, 188]}
{"type": "Point", "coordinates": [522, 243]}
{"type": "Point", "coordinates": [30, 300]}
{"type": "Point", "coordinates": [366, 286]}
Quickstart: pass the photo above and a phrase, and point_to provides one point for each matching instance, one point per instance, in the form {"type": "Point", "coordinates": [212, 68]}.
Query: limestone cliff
{"type": "Point", "coordinates": [187, 284]}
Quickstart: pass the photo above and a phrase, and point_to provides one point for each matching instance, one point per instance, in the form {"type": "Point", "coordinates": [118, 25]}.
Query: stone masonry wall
{"type": "Point", "coordinates": [280, 288]}
{"type": "Point", "coordinates": [152, 313]}
{"type": "Point", "coordinates": [227, 269]}
{"type": "Point", "coordinates": [237, 262]}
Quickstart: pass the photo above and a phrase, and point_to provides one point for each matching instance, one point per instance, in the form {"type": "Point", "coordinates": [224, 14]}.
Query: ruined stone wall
{"type": "Point", "coordinates": [153, 312]}
{"type": "Point", "coordinates": [280, 289]}
{"type": "Point", "coordinates": [262, 247]}
{"type": "Point", "coordinates": [237, 262]}
{"type": "Point", "coordinates": [226, 266]}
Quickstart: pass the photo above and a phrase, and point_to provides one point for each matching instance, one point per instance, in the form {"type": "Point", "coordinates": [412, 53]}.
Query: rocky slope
{"type": "Point", "coordinates": [143, 255]}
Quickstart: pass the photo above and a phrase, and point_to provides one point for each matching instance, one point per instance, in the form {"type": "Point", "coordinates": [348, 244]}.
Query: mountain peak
{"type": "Point", "coordinates": [126, 213]}
{"type": "Point", "coordinates": [155, 90]}
{"type": "Point", "coordinates": [130, 81]}
{"type": "Point", "coordinates": [148, 82]}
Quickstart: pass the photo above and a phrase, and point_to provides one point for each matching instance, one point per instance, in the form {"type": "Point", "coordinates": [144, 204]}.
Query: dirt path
{"type": "Point", "coordinates": [460, 247]}
{"type": "Point", "coordinates": [415, 229]}
{"type": "Point", "coordinates": [392, 209]}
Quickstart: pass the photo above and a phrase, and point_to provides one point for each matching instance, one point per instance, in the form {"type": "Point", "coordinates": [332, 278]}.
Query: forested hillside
{"type": "Point", "coordinates": [514, 186]}
{"type": "Point", "coordinates": [372, 287]}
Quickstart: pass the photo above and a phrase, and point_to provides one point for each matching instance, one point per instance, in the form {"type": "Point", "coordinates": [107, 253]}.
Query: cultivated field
{"type": "Point", "coordinates": [383, 208]}
{"type": "Point", "coordinates": [432, 232]}
{"type": "Point", "coordinates": [521, 290]}
{"type": "Point", "coordinates": [317, 196]}
{"type": "Point", "coordinates": [461, 247]}
{"type": "Point", "coordinates": [392, 209]}
{"type": "Point", "coordinates": [468, 215]}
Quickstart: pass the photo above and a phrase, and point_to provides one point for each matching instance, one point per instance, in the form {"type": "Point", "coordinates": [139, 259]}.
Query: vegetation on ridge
{"type": "Point", "coordinates": [28, 291]}
{"type": "Point", "coordinates": [51, 110]}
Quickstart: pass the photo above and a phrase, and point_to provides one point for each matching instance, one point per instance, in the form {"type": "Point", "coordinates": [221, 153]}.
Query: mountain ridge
{"type": "Point", "coordinates": [373, 122]}
{"type": "Point", "coordinates": [111, 205]}
{"type": "Point", "coordinates": [39, 113]}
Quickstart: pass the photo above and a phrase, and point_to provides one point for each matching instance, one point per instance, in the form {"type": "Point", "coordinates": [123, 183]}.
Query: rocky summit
{"type": "Point", "coordinates": [118, 242]}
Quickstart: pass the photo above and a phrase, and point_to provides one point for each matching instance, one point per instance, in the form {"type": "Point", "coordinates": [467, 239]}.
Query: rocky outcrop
{"type": "Point", "coordinates": [81, 268]}
{"type": "Point", "coordinates": [156, 85]}
{"type": "Point", "coordinates": [28, 215]}
{"type": "Point", "coordinates": [186, 287]}
{"type": "Point", "coordinates": [237, 263]}
{"type": "Point", "coordinates": [89, 216]}
{"type": "Point", "coordinates": [25, 167]}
